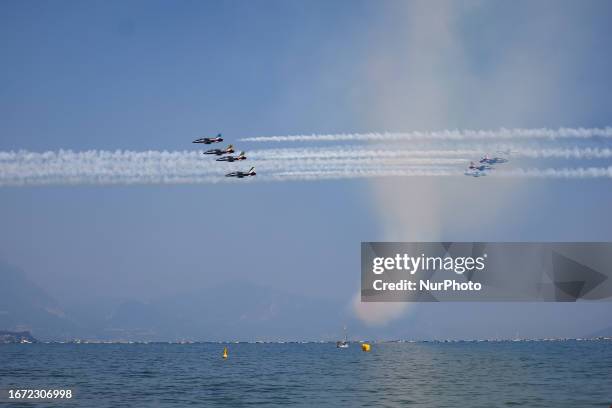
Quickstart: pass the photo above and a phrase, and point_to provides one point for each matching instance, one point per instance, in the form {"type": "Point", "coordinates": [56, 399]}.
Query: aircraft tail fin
{"type": "Point", "coordinates": [252, 169]}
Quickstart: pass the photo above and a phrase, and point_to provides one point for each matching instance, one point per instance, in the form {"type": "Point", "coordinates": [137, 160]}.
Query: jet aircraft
{"type": "Point", "coordinates": [478, 167]}
{"type": "Point", "coordinates": [492, 160]}
{"type": "Point", "coordinates": [219, 152]}
{"type": "Point", "coordinates": [209, 140]}
{"type": "Point", "coordinates": [230, 159]}
{"type": "Point", "coordinates": [242, 174]}
{"type": "Point", "coordinates": [477, 170]}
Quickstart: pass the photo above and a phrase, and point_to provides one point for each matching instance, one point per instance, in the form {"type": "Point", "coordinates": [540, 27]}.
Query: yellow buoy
{"type": "Point", "coordinates": [366, 347]}
{"type": "Point", "coordinates": [224, 352]}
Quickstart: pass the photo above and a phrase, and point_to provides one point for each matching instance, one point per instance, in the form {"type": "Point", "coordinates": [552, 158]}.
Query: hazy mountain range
{"type": "Point", "coordinates": [246, 312]}
{"type": "Point", "coordinates": [206, 314]}
{"type": "Point", "coordinates": [25, 306]}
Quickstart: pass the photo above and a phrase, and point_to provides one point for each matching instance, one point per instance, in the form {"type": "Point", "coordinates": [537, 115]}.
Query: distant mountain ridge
{"type": "Point", "coordinates": [235, 311]}
{"type": "Point", "coordinates": [607, 332]}
{"type": "Point", "coordinates": [239, 311]}
{"type": "Point", "coordinates": [24, 306]}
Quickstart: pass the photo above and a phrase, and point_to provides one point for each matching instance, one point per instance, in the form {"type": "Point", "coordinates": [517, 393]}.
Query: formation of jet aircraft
{"type": "Point", "coordinates": [479, 169]}
{"type": "Point", "coordinates": [484, 164]}
{"type": "Point", "coordinates": [226, 156]}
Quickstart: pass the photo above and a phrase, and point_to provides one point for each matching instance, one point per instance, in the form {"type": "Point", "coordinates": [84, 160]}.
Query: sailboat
{"type": "Point", "coordinates": [343, 343]}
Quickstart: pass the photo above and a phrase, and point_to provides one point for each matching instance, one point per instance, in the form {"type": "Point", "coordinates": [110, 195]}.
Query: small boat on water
{"type": "Point", "coordinates": [343, 343]}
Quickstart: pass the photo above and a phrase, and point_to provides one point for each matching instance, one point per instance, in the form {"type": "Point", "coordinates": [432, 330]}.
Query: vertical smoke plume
{"type": "Point", "coordinates": [422, 77]}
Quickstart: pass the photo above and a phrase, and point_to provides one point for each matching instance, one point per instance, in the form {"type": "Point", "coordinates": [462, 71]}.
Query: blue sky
{"type": "Point", "coordinates": [167, 72]}
{"type": "Point", "coordinates": [156, 75]}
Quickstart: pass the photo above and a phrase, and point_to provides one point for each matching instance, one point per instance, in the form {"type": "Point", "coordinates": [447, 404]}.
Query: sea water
{"type": "Point", "coordinates": [423, 374]}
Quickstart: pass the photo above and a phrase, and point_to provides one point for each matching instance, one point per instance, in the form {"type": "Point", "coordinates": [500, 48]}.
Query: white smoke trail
{"type": "Point", "coordinates": [559, 173]}
{"type": "Point", "coordinates": [568, 153]}
{"type": "Point", "coordinates": [389, 153]}
{"type": "Point", "coordinates": [155, 167]}
{"type": "Point", "coordinates": [188, 167]}
{"type": "Point", "coordinates": [562, 173]}
{"type": "Point", "coordinates": [350, 173]}
{"type": "Point", "coordinates": [509, 134]}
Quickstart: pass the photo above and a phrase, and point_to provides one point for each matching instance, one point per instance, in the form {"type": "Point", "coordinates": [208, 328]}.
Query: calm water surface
{"type": "Point", "coordinates": [529, 374]}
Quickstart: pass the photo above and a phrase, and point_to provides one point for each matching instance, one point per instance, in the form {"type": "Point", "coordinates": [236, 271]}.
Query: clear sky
{"type": "Point", "coordinates": [155, 75]}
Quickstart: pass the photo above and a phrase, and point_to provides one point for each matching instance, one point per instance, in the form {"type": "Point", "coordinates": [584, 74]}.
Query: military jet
{"type": "Point", "coordinates": [477, 170]}
{"type": "Point", "coordinates": [478, 167]}
{"type": "Point", "coordinates": [209, 140]}
{"type": "Point", "coordinates": [231, 159]}
{"type": "Point", "coordinates": [492, 160]}
{"type": "Point", "coordinates": [219, 152]}
{"type": "Point", "coordinates": [241, 174]}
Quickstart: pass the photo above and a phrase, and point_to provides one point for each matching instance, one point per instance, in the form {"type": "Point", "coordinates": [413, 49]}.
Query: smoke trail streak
{"type": "Point", "coordinates": [561, 173]}
{"type": "Point", "coordinates": [189, 167]}
{"type": "Point", "coordinates": [387, 153]}
{"type": "Point", "coordinates": [125, 167]}
{"type": "Point", "coordinates": [561, 133]}
{"type": "Point", "coordinates": [364, 173]}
